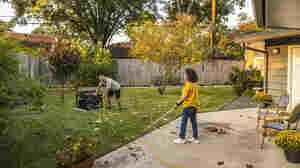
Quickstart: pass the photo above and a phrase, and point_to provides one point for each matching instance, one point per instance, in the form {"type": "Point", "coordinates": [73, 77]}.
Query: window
{"type": "Point", "coordinates": [259, 63]}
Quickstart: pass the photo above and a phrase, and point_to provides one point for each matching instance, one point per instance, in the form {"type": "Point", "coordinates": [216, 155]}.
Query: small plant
{"type": "Point", "coordinates": [262, 97]}
{"type": "Point", "coordinates": [74, 151]}
{"type": "Point", "coordinates": [248, 92]}
{"type": "Point", "coordinates": [288, 140]}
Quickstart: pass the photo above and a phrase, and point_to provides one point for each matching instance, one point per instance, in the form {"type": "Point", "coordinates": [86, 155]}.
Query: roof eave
{"type": "Point", "coordinates": [256, 37]}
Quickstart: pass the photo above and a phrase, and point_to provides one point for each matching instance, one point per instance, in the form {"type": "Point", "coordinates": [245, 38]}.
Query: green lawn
{"type": "Point", "coordinates": [141, 107]}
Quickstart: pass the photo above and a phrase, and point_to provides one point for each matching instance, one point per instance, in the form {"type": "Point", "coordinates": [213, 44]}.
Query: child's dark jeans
{"type": "Point", "coordinates": [189, 112]}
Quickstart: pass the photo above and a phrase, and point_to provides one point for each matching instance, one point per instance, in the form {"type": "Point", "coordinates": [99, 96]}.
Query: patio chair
{"type": "Point", "coordinates": [273, 110]}
{"type": "Point", "coordinates": [280, 123]}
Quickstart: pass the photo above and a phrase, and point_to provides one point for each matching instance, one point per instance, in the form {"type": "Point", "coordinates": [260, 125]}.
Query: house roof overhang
{"type": "Point", "coordinates": [262, 36]}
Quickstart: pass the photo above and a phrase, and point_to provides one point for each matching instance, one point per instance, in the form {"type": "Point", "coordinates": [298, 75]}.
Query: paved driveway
{"type": "Point", "coordinates": [237, 148]}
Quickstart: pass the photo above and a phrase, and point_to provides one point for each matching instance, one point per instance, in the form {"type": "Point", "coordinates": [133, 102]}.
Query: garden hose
{"type": "Point", "coordinates": [150, 147]}
{"type": "Point", "coordinates": [159, 119]}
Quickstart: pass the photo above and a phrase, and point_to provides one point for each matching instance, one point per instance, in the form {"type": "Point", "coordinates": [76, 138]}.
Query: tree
{"type": "Point", "coordinates": [99, 19]}
{"type": "Point", "coordinates": [244, 18]}
{"type": "Point", "coordinates": [171, 44]}
{"type": "Point", "coordinates": [226, 46]}
{"type": "Point", "coordinates": [202, 9]}
{"type": "Point", "coordinates": [64, 58]}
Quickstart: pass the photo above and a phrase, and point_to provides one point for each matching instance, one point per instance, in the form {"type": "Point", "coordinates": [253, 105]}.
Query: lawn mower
{"type": "Point", "coordinates": [89, 100]}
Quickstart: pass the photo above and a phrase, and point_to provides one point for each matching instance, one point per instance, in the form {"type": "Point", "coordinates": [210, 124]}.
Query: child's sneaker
{"type": "Point", "coordinates": [193, 140]}
{"type": "Point", "coordinates": [179, 141]}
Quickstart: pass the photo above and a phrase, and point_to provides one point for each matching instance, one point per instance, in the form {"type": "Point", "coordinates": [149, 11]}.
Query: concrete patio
{"type": "Point", "coordinates": [238, 148]}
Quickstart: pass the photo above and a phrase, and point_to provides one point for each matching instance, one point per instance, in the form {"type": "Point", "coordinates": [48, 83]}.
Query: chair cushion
{"type": "Point", "coordinates": [275, 125]}
{"type": "Point", "coordinates": [267, 113]}
{"type": "Point", "coordinates": [284, 101]}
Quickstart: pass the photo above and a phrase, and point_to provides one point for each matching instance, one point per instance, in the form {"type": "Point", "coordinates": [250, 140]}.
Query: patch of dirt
{"type": "Point", "coordinates": [240, 103]}
{"type": "Point", "coordinates": [84, 164]}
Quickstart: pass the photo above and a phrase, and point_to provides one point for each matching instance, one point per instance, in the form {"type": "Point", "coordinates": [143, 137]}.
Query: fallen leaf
{"type": "Point", "coordinates": [249, 166]}
{"type": "Point", "coordinates": [220, 163]}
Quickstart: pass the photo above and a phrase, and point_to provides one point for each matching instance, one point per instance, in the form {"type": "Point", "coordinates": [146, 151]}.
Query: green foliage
{"type": "Point", "coordinates": [249, 27]}
{"type": "Point", "coordinates": [74, 151]}
{"type": "Point", "coordinates": [86, 74]}
{"type": "Point", "coordinates": [226, 46]}
{"type": "Point", "coordinates": [245, 79]}
{"type": "Point", "coordinates": [248, 92]}
{"type": "Point", "coordinates": [32, 91]}
{"type": "Point", "coordinates": [171, 44]}
{"type": "Point", "coordinates": [97, 61]}
{"type": "Point", "coordinates": [244, 18]}
{"type": "Point", "coordinates": [7, 26]}
{"type": "Point", "coordinates": [15, 89]}
{"type": "Point", "coordinates": [96, 54]}
{"type": "Point", "coordinates": [99, 20]}
{"type": "Point", "coordinates": [166, 80]}
{"type": "Point", "coordinates": [22, 91]}
{"type": "Point", "coordinates": [65, 57]}
{"type": "Point", "coordinates": [11, 84]}
{"type": "Point", "coordinates": [202, 9]}
{"type": "Point", "coordinates": [288, 140]}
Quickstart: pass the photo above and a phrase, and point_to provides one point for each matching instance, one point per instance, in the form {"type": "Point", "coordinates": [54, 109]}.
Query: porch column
{"type": "Point", "coordinates": [266, 78]}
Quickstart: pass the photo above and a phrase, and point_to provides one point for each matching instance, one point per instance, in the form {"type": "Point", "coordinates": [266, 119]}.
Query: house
{"type": "Point", "coordinates": [254, 59]}
{"type": "Point", "coordinates": [134, 72]}
{"type": "Point", "coordinates": [280, 50]}
{"type": "Point", "coordinates": [32, 66]}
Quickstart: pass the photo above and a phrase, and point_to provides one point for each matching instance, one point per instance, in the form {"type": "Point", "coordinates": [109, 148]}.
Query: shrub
{"type": "Point", "coordinates": [64, 58]}
{"type": "Point", "coordinates": [75, 150]}
{"type": "Point", "coordinates": [248, 92]}
{"type": "Point", "coordinates": [288, 140]}
{"type": "Point", "coordinates": [14, 89]}
{"type": "Point", "coordinates": [32, 92]}
{"type": "Point", "coordinates": [245, 79]}
{"type": "Point", "coordinates": [86, 73]}
{"type": "Point", "coordinates": [262, 97]}
{"type": "Point", "coordinates": [162, 80]}
{"type": "Point", "coordinates": [23, 91]}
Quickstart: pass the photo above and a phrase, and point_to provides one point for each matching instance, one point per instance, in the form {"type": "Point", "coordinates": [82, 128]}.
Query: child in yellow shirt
{"type": "Point", "coordinates": [190, 101]}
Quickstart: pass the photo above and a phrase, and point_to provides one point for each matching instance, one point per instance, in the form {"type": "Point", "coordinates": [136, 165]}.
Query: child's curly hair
{"type": "Point", "coordinates": [191, 75]}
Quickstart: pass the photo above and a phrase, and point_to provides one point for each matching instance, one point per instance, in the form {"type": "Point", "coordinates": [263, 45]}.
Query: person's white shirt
{"type": "Point", "coordinates": [112, 84]}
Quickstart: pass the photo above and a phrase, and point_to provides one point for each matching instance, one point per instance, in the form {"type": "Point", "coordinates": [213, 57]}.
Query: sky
{"type": "Point", "coordinates": [6, 10]}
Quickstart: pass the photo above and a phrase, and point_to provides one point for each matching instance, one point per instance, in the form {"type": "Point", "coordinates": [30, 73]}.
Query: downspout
{"type": "Point", "coordinates": [266, 81]}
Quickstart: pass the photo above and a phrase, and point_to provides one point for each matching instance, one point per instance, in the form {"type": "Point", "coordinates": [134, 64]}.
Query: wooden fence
{"type": "Point", "coordinates": [138, 73]}
{"type": "Point", "coordinates": [134, 72]}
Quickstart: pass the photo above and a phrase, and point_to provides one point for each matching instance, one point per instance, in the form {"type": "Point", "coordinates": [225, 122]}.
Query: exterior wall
{"type": "Point", "coordinates": [255, 59]}
{"type": "Point", "coordinates": [278, 73]}
{"type": "Point", "coordinates": [138, 73]}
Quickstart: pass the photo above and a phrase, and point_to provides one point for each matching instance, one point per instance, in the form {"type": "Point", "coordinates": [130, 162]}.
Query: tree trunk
{"type": "Point", "coordinates": [178, 6]}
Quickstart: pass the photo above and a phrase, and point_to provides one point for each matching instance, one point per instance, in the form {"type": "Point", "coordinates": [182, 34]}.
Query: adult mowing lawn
{"type": "Point", "coordinates": [44, 133]}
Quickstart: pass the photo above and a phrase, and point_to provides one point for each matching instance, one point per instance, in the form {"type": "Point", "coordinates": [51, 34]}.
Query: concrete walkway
{"type": "Point", "coordinates": [239, 148]}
